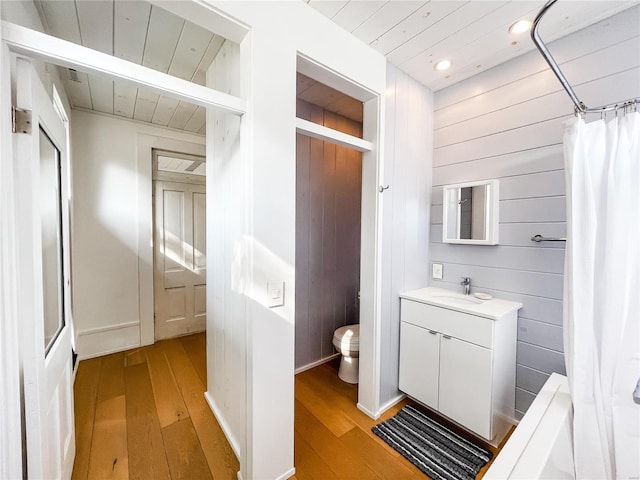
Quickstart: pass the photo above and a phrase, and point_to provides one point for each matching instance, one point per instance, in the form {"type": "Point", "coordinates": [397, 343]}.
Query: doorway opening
{"type": "Point", "coordinates": [328, 209]}
{"type": "Point", "coordinates": [179, 244]}
{"type": "Point", "coordinates": [333, 89]}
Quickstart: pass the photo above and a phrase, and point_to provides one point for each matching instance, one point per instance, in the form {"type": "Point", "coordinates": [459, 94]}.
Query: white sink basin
{"type": "Point", "coordinates": [493, 308]}
{"type": "Point", "coordinates": [459, 299]}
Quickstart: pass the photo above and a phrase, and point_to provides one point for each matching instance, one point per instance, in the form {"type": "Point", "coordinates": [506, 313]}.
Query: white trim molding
{"type": "Point", "coordinates": [286, 475]}
{"type": "Point", "coordinates": [205, 15]}
{"type": "Point", "coordinates": [109, 339]}
{"type": "Point", "coordinates": [311, 365]}
{"type": "Point", "coordinates": [233, 441]}
{"type": "Point", "coordinates": [376, 414]}
{"type": "Point", "coordinates": [145, 143]}
{"type": "Point", "coordinates": [321, 132]}
{"type": "Point", "coordinates": [67, 54]}
{"type": "Point", "coordinates": [11, 454]}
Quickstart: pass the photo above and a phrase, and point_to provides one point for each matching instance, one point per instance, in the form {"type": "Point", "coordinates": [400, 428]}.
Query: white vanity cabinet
{"type": "Point", "coordinates": [459, 358]}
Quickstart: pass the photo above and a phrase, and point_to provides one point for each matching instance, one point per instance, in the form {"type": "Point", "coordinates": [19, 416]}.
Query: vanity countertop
{"type": "Point", "coordinates": [440, 297]}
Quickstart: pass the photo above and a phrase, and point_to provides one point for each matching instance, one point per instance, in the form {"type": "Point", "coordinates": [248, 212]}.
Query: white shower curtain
{"type": "Point", "coordinates": [602, 294]}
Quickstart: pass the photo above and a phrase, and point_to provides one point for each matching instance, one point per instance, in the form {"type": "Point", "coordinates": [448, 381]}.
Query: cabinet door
{"type": "Point", "coordinates": [465, 384]}
{"type": "Point", "coordinates": [419, 358]}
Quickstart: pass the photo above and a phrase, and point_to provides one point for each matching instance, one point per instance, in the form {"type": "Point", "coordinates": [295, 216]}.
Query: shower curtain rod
{"type": "Point", "coordinates": [580, 107]}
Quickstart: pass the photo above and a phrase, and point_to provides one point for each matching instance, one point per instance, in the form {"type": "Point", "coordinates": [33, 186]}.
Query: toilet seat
{"type": "Point", "coordinates": [347, 339]}
{"type": "Point", "coordinates": [347, 342]}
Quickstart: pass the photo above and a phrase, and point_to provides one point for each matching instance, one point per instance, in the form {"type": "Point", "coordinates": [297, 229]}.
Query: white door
{"type": "Point", "coordinates": [465, 384]}
{"type": "Point", "coordinates": [180, 267]}
{"type": "Point", "coordinates": [44, 303]}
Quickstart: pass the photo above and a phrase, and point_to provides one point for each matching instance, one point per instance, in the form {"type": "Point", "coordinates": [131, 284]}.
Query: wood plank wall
{"type": "Point", "coordinates": [328, 203]}
{"type": "Point", "coordinates": [227, 175]}
{"type": "Point", "coordinates": [506, 123]}
{"type": "Point", "coordinates": [408, 150]}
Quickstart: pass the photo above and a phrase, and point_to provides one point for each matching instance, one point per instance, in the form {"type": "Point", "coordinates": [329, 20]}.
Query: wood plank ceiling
{"type": "Point", "coordinates": [319, 94]}
{"type": "Point", "coordinates": [413, 35]}
{"type": "Point", "coordinates": [140, 33]}
{"type": "Point", "coordinates": [473, 35]}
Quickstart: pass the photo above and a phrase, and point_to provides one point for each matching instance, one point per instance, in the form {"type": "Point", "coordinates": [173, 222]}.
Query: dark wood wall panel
{"type": "Point", "coordinates": [328, 199]}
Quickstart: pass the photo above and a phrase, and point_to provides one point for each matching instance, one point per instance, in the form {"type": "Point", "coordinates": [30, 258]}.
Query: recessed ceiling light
{"type": "Point", "coordinates": [520, 26]}
{"type": "Point", "coordinates": [442, 65]}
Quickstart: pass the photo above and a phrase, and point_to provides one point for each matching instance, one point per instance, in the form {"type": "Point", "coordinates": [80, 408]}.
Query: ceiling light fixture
{"type": "Point", "coordinates": [442, 65]}
{"type": "Point", "coordinates": [520, 26]}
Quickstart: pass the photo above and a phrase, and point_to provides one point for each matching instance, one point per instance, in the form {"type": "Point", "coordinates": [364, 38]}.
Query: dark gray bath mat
{"type": "Point", "coordinates": [436, 450]}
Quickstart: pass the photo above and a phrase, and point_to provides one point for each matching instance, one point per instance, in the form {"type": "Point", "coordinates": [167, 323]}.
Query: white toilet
{"type": "Point", "coordinates": [347, 341]}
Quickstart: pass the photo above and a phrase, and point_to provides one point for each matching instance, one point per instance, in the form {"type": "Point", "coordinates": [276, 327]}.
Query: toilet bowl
{"type": "Point", "coordinates": [347, 342]}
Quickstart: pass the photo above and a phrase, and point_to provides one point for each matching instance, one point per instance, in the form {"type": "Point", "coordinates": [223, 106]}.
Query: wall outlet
{"type": "Point", "coordinates": [436, 271]}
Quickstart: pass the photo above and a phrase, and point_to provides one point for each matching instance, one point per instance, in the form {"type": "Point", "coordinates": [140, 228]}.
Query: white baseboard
{"type": "Point", "coordinates": [289, 474]}
{"type": "Point", "coordinates": [109, 339]}
{"type": "Point", "coordinates": [367, 412]}
{"type": "Point", "coordinates": [231, 438]}
{"type": "Point", "coordinates": [391, 403]}
{"type": "Point", "coordinates": [381, 410]}
{"type": "Point", "coordinates": [316, 363]}
{"type": "Point", "coordinates": [233, 441]}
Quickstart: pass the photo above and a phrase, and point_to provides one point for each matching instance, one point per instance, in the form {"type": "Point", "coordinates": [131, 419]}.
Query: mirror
{"type": "Point", "coordinates": [470, 213]}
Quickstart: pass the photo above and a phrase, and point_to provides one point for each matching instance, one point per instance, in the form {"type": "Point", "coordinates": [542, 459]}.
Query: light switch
{"type": "Point", "coordinates": [275, 293]}
{"type": "Point", "coordinates": [436, 271]}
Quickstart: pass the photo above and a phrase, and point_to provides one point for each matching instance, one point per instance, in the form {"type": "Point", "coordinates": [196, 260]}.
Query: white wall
{"type": "Point", "coordinates": [407, 171]}
{"type": "Point", "coordinates": [506, 123]}
{"type": "Point", "coordinates": [261, 222]}
{"type": "Point", "coordinates": [227, 248]}
{"type": "Point", "coordinates": [108, 299]}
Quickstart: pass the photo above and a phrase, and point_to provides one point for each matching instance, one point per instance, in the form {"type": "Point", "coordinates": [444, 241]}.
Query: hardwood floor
{"type": "Point", "coordinates": [141, 414]}
{"type": "Point", "coordinates": [333, 439]}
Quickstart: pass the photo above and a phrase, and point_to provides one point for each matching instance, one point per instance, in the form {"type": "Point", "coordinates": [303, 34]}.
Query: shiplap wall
{"type": "Point", "coordinates": [328, 191]}
{"type": "Point", "coordinates": [507, 123]}
{"type": "Point", "coordinates": [265, 204]}
{"type": "Point", "coordinates": [227, 187]}
{"type": "Point", "coordinates": [405, 215]}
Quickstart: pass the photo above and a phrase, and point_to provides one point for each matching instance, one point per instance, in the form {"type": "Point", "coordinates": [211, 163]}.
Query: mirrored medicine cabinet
{"type": "Point", "coordinates": [470, 213]}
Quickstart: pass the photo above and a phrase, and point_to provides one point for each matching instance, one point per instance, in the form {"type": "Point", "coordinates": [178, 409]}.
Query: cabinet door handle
{"type": "Point", "coordinates": [433, 332]}
{"type": "Point", "coordinates": [448, 337]}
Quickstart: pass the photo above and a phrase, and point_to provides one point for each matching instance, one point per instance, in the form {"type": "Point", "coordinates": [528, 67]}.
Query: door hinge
{"type": "Point", "coordinates": [20, 120]}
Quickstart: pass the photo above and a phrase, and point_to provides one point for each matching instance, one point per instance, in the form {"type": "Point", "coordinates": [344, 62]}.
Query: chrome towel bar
{"type": "Point", "coordinates": [540, 238]}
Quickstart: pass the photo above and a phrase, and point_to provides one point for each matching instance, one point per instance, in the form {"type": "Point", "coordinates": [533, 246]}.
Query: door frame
{"type": "Point", "coordinates": [371, 222]}
{"type": "Point", "coordinates": [161, 178]}
{"type": "Point", "coordinates": [145, 146]}
{"type": "Point", "coordinates": [10, 395]}
{"type": "Point", "coordinates": [33, 44]}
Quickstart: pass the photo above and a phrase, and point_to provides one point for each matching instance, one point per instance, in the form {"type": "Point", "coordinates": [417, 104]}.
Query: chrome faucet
{"type": "Point", "coordinates": [466, 283]}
